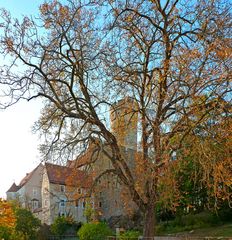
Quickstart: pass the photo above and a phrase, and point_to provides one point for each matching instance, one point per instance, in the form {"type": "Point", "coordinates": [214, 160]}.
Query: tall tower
{"type": "Point", "coordinates": [124, 119]}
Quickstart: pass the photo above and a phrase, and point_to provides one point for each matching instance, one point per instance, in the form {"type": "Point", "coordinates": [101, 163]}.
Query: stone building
{"type": "Point", "coordinates": [64, 190]}
{"type": "Point", "coordinates": [110, 195]}
{"type": "Point", "coordinates": [28, 192]}
{"type": "Point", "coordinates": [64, 193]}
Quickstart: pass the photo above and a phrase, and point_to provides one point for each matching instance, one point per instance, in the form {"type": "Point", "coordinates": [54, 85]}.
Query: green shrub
{"type": "Point", "coordinates": [94, 231]}
{"type": "Point", "coordinates": [10, 234]}
{"type": "Point", "coordinates": [130, 235]}
{"type": "Point", "coordinates": [43, 232]}
{"type": "Point", "coordinates": [89, 212]}
{"type": "Point", "coordinates": [225, 214]}
{"type": "Point", "coordinates": [26, 224]}
{"type": "Point", "coordinates": [64, 224]}
{"type": "Point", "coordinates": [5, 232]}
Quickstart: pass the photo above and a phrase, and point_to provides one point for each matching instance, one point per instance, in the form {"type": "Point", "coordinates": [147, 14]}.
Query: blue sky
{"type": "Point", "coordinates": [21, 7]}
{"type": "Point", "coordinates": [18, 146]}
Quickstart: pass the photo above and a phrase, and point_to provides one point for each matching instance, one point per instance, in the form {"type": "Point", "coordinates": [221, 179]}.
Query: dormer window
{"type": "Point", "coordinates": [62, 188]}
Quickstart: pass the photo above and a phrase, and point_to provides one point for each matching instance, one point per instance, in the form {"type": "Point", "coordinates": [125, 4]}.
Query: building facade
{"type": "Point", "coordinates": [64, 193]}
{"type": "Point", "coordinates": [65, 190]}
{"type": "Point", "coordinates": [28, 192]}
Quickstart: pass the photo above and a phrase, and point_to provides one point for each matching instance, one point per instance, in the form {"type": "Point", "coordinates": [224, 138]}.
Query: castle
{"type": "Point", "coordinates": [52, 190]}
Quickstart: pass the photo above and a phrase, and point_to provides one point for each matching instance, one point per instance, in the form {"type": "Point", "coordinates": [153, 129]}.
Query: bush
{"type": "Point", "coordinates": [130, 235]}
{"type": "Point", "coordinates": [5, 232]}
{"type": "Point", "coordinates": [94, 231]}
{"type": "Point", "coordinates": [43, 232]}
{"type": "Point", "coordinates": [64, 224]}
{"type": "Point", "coordinates": [225, 214]}
{"type": "Point", "coordinates": [26, 224]}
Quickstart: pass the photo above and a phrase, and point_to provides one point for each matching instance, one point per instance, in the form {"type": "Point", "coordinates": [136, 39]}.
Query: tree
{"type": "Point", "coordinates": [89, 212]}
{"type": "Point", "coordinates": [7, 216]}
{"type": "Point", "coordinates": [209, 150]}
{"type": "Point", "coordinates": [94, 231]}
{"type": "Point", "coordinates": [7, 219]}
{"type": "Point", "coordinates": [26, 223]}
{"type": "Point", "coordinates": [162, 54]}
{"type": "Point", "coordinates": [17, 223]}
{"type": "Point", "coordinates": [63, 224]}
{"type": "Point", "coordinates": [203, 160]}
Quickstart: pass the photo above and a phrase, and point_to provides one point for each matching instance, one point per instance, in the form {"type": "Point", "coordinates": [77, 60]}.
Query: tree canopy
{"type": "Point", "coordinates": [172, 58]}
{"type": "Point", "coordinates": [7, 216]}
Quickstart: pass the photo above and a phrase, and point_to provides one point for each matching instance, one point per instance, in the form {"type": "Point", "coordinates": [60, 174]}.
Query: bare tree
{"type": "Point", "coordinates": [171, 57]}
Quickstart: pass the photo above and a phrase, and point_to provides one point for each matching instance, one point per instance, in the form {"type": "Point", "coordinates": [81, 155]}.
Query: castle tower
{"type": "Point", "coordinates": [124, 119]}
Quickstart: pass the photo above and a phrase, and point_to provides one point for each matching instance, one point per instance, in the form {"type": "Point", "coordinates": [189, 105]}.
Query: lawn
{"type": "Point", "coordinates": [215, 231]}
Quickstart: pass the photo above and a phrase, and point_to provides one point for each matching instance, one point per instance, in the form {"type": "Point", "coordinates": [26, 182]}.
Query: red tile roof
{"type": "Point", "coordinates": [84, 158]}
{"type": "Point", "coordinates": [67, 176]}
{"type": "Point", "coordinates": [28, 177]}
{"type": "Point", "coordinates": [13, 188]}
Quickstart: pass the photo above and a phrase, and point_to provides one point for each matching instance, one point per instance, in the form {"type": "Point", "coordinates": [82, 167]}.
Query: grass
{"type": "Point", "coordinates": [215, 231]}
{"type": "Point", "coordinates": [198, 225]}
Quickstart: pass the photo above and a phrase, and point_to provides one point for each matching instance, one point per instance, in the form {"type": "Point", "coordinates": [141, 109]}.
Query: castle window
{"type": "Point", "coordinates": [62, 203]}
{"type": "Point", "coordinates": [83, 204]}
{"type": "Point", "coordinates": [35, 203]}
{"type": "Point", "coordinates": [62, 188]}
{"type": "Point", "coordinates": [100, 204]}
{"type": "Point", "coordinates": [34, 192]}
{"type": "Point", "coordinates": [62, 208]}
{"type": "Point", "coordinates": [77, 203]}
{"type": "Point", "coordinates": [173, 156]}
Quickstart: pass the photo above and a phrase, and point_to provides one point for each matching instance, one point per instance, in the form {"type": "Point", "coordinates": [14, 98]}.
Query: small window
{"type": "Point", "coordinates": [34, 192]}
{"type": "Point", "coordinates": [62, 188]}
{"type": "Point", "coordinates": [83, 204]}
{"type": "Point", "coordinates": [62, 203]}
{"type": "Point", "coordinates": [76, 203]}
{"type": "Point", "coordinates": [79, 190]}
{"type": "Point", "coordinates": [62, 211]}
{"type": "Point", "coordinates": [173, 156]}
{"type": "Point", "coordinates": [100, 204]}
{"type": "Point", "coordinates": [35, 204]}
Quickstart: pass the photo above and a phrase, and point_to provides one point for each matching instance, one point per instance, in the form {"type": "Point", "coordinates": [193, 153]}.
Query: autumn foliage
{"type": "Point", "coordinates": [170, 59]}
{"type": "Point", "coordinates": [7, 216]}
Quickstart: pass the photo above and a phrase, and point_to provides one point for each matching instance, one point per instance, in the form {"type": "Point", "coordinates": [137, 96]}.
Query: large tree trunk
{"type": "Point", "coordinates": [149, 221]}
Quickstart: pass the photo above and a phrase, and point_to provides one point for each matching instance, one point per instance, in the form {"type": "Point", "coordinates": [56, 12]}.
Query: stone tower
{"type": "Point", "coordinates": [124, 120]}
